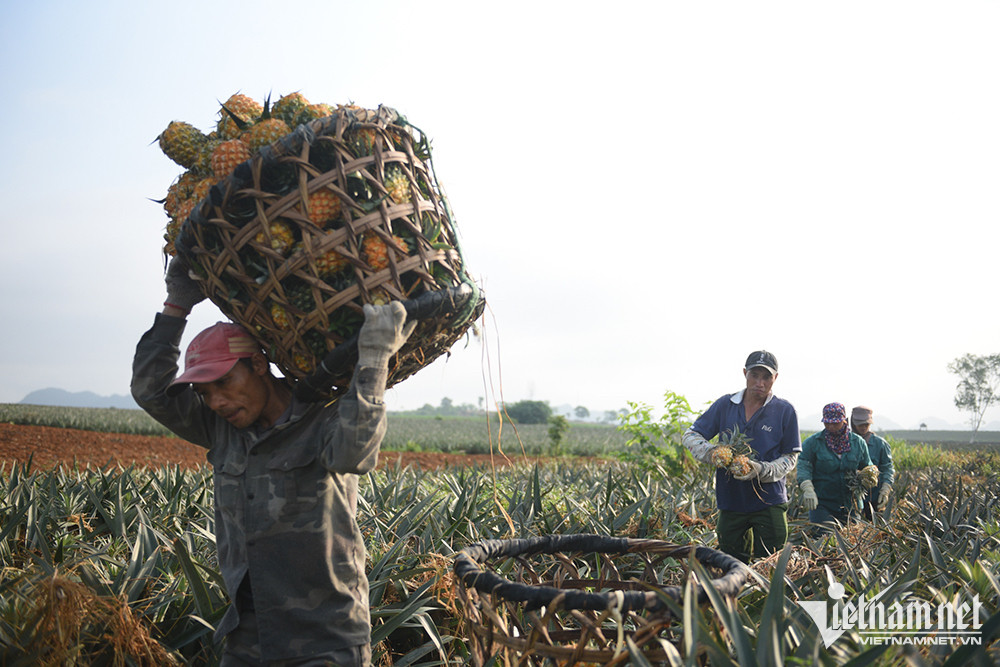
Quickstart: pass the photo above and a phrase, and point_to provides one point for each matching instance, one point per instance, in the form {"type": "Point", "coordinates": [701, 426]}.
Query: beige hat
{"type": "Point", "coordinates": [861, 415]}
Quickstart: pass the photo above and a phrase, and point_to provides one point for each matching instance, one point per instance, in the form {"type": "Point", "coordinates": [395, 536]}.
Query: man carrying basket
{"type": "Point", "coordinates": [290, 550]}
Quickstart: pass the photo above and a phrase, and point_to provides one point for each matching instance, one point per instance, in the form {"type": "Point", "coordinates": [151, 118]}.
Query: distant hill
{"type": "Point", "coordinates": [811, 422]}
{"type": "Point", "coordinates": [78, 399]}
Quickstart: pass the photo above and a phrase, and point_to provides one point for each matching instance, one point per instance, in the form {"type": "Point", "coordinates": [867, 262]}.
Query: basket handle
{"type": "Point", "coordinates": [458, 299]}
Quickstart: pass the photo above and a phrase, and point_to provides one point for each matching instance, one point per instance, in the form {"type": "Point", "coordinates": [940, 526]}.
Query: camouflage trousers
{"type": "Point", "coordinates": [243, 645]}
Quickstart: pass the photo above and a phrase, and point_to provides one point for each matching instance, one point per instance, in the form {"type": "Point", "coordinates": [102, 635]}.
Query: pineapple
{"type": "Point", "coordinates": [397, 185]}
{"type": "Point", "coordinates": [181, 143]}
{"type": "Point", "coordinates": [721, 456]}
{"type": "Point", "coordinates": [282, 236]}
{"type": "Point", "coordinates": [740, 465]}
{"type": "Point", "coordinates": [869, 476]}
{"type": "Point", "coordinates": [315, 111]}
{"type": "Point", "coordinates": [302, 362]}
{"type": "Point", "coordinates": [733, 452]}
{"type": "Point", "coordinates": [362, 141]}
{"type": "Point", "coordinates": [265, 132]}
{"type": "Point", "coordinates": [322, 207]}
{"type": "Point", "coordinates": [244, 108]}
{"type": "Point", "coordinates": [179, 192]}
{"type": "Point", "coordinates": [203, 163]}
{"type": "Point", "coordinates": [280, 317]}
{"type": "Point", "coordinates": [301, 298]}
{"type": "Point", "coordinates": [330, 262]}
{"type": "Point", "coordinates": [227, 155]}
{"type": "Point", "coordinates": [170, 237]}
{"type": "Point", "coordinates": [289, 108]}
{"type": "Point", "coordinates": [376, 253]}
{"type": "Point", "coordinates": [380, 297]}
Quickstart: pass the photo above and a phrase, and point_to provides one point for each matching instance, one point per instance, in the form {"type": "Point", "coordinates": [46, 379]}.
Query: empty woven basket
{"type": "Point", "coordinates": [580, 599]}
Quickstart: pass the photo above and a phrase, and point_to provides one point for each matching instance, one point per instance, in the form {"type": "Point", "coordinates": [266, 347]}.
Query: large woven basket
{"type": "Point", "coordinates": [299, 286]}
{"type": "Point", "coordinates": [580, 599]}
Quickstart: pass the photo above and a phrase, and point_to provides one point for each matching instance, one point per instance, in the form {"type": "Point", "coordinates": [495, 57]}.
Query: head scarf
{"type": "Point", "coordinates": [840, 441]}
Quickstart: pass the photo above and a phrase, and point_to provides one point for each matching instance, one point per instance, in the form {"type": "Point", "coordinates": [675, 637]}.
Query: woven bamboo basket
{"type": "Point", "coordinates": [579, 599]}
{"type": "Point", "coordinates": [298, 286]}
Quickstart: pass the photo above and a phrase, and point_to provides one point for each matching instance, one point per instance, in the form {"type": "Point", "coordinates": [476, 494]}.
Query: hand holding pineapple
{"type": "Point", "coordinates": [869, 476]}
{"type": "Point", "coordinates": [747, 470]}
{"type": "Point", "coordinates": [735, 455]}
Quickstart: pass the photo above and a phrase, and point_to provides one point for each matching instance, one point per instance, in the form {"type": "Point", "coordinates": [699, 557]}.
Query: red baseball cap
{"type": "Point", "coordinates": [213, 353]}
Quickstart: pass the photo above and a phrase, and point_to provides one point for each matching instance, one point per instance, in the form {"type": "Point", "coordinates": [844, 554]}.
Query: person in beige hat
{"type": "Point", "coordinates": [862, 418]}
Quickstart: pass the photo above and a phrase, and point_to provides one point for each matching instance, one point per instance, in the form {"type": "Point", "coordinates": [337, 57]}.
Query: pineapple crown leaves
{"type": "Point", "coordinates": [241, 124]}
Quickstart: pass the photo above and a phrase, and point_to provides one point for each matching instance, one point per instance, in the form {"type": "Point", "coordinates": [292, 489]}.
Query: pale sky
{"type": "Point", "coordinates": [646, 192]}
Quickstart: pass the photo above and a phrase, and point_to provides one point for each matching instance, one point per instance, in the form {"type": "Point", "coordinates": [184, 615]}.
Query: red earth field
{"type": "Point", "coordinates": [47, 446]}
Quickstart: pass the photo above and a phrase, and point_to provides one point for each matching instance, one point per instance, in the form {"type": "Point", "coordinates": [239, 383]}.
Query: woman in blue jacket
{"type": "Point", "coordinates": [828, 461]}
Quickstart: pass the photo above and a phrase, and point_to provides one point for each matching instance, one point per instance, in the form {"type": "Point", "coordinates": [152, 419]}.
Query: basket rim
{"type": "Point", "coordinates": [468, 571]}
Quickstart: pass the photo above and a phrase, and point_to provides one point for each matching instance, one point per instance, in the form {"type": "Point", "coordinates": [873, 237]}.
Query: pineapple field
{"type": "Point", "coordinates": [116, 564]}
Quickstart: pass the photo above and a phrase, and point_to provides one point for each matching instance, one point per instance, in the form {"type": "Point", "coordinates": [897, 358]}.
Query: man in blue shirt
{"type": "Point", "coordinates": [751, 506]}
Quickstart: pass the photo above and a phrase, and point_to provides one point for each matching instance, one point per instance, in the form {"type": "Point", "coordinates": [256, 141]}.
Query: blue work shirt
{"type": "Point", "coordinates": [773, 431]}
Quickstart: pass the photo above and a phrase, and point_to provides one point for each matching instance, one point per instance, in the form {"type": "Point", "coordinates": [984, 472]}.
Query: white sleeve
{"type": "Point", "coordinates": [772, 471]}
{"type": "Point", "coordinates": [697, 444]}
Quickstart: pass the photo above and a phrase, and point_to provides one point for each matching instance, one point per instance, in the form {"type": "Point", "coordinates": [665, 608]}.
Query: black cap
{"type": "Point", "coordinates": [763, 359]}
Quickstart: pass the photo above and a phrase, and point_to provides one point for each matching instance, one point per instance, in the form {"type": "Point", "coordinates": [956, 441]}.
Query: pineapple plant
{"type": "Point", "coordinates": [182, 142]}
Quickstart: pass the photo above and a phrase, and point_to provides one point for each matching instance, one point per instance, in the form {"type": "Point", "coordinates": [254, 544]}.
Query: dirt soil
{"type": "Point", "coordinates": [53, 446]}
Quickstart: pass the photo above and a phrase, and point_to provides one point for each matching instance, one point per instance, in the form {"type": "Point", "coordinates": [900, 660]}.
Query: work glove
{"type": "Point", "coordinates": [182, 291]}
{"type": "Point", "coordinates": [383, 333]}
{"type": "Point", "coordinates": [883, 497]}
{"type": "Point", "coordinates": [753, 473]}
{"type": "Point", "coordinates": [809, 499]}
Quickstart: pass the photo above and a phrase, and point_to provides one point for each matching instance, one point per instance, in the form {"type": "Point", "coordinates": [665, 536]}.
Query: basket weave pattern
{"type": "Point", "coordinates": [298, 285]}
{"type": "Point", "coordinates": [575, 599]}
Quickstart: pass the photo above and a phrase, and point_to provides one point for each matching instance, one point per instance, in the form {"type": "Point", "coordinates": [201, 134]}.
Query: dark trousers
{"type": "Point", "coordinates": [827, 518]}
{"type": "Point", "coordinates": [742, 534]}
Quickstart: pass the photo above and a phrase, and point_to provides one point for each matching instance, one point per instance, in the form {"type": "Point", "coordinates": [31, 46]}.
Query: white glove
{"type": "Point", "coordinates": [754, 473]}
{"type": "Point", "coordinates": [383, 333]}
{"type": "Point", "coordinates": [809, 499]}
{"type": "Point", "coordinates": [883, 497]}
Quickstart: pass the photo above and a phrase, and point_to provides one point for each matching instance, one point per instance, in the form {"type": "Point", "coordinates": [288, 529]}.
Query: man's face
{"type": "Point", "coordinates": [239, 396]}
{"type": "Point", "coordinates": [759, 382]}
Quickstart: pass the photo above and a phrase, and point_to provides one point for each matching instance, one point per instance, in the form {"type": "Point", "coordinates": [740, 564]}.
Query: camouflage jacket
{"type": "Point", "coordinates": [285, 501]}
